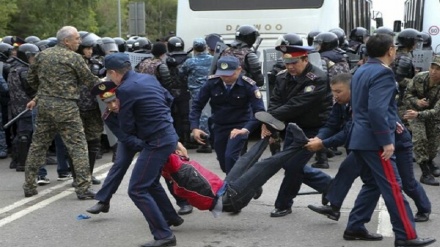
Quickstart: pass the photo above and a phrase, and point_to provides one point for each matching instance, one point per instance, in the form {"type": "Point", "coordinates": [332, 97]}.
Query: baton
{"type": "Point", "coordinates": [308, 193]}
{"type": "Point", "coordinates": [8, 124]}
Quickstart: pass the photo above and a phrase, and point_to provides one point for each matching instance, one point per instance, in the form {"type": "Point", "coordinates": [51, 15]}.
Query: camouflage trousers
{"type": "Point", "coordinates": [93, 124]}
{"type": "Point", "coordinates": [426, 139]}
{"type": "Point", "coordinates": [3, 145]}
{"type": "Point", "coordinates": [58, 116]}
{"type": "Point", "coordinates": [206, 112]}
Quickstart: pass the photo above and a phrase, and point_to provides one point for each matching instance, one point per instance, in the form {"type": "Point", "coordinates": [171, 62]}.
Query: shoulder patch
{"type": "Point", "coordinates": [330, 64]}
{"type": "Point", "coordinates": [309, 89]}
{"type": "Point", "coordinates": [212, 77]}
{"type": "Point", "coordinates": [248, 80]}
{"type": "Point", "coordinates": [282, 72]}
{"type": "Point", "coordinates": [311, 76]}
{"type": "Point", "coordinates": [257, 94]}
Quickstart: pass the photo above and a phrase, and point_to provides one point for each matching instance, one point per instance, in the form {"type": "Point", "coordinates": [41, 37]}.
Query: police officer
{"type": "Point", "coordinates": [234, 99]}
{"type": "Point", "coordinates": [242, 48]}
{"type": "Point", "coordinates": [422, 98]}
{"type": "Point", "coordinates": [5, 66]}
{"type": "Point", "coordinates": [427, 41]}
{"type": "Point", "coordinates": [211, 41]}
{"type": "Point", "coordinates": [358, 36]}
{"type": "Point", "coordinates": [196, 70]}
{"type": "Point", "coordinates": [403, 67]}
{"type": "Point", "coordinates": [301, 95]}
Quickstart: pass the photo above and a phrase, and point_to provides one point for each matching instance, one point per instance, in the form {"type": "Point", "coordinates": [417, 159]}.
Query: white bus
{"type": "Point", "coordinates": [197, 18]}
{"type": "Point", "coordinates": [423, 15]}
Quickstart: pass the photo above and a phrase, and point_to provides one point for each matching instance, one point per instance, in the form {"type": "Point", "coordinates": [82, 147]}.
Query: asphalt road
{"type": "Point", "coordinates": [50, 218]}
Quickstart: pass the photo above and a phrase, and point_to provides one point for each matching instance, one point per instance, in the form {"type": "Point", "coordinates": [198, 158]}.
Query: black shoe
{"type": "Point", "coordinates": [326, 210]}
{"type": "Point", "coordinates": [321, 165]}
{"type": "Point", "coordinates": [336, 151]}
{"type": "Point", "coordinates": [175, 222]}
{"type": "Point", "coordinates": [421, 217]}
{"type": "Point", "coordinates": [13, 164]}
{"type": "Point", "coordinates": [414, 242]}
{"type": "Point", "coordinates": [268, 119]}
{"type": "Point", "coordinates": [204, 149]}
{"type": "Point", "coordinates": [99, 207]}
{"type": "Point", "coordinates": [171, 241]}
{"type": "Point", "coordinates": [258, 193]}
{"type": "Point", "coordinates": [330, 153]}
{"type": "Point", "coordinates": [428, 179]}
{"type": "Point", "coordinates": [280, 212]}
{"type": "Point", "coordinates": [19, 168]}
{"type": "Point", "coordinates": [186, 209]}
{"type": "Point", "coordinates": [30, 193]}
{"type": "Point", "coordinates": [88, 194]}
{"type": "Point", "coordinates": [95, 180]}
{"type": "Point", "coordinates": [362, 235]}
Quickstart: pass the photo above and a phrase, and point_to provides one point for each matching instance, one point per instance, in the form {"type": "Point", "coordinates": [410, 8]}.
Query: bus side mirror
{"type": "Point", "coordinates": [379, 22]}
{"type": "Point", "coordinates": [397, 27]}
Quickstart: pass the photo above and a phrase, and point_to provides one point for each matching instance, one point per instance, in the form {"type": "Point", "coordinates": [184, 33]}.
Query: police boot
{"type": "Point", "coordinates": [321, 160]}
{"type": "Point", "coordinates": [93, 150]}
{"type": "Point", "coordinates": [435, 171]}
{"type": "Point", "coordinates": [427, 177]}
{"type": "Point", "coordinates": [22, 152]}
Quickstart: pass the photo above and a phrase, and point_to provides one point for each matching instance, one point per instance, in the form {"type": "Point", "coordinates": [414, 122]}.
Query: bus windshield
{"type": "Point", "coordinates": [215, 5]}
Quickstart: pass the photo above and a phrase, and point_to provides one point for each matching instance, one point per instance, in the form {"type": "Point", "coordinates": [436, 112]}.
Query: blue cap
{"type": "Point", "coordinates": [227, 65]}
{"type": "Point", "coordinates": [117, 60]}
{"type": "Point", "coordinates": [199, 43]}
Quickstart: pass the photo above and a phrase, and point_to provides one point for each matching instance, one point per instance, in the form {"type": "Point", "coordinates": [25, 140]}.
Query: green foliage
{"type": "Point", "coordinates": [43, 18]}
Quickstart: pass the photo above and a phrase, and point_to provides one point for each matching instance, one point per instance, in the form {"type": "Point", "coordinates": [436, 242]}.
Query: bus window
{"type": "Point", "coordinates": [215, 5]}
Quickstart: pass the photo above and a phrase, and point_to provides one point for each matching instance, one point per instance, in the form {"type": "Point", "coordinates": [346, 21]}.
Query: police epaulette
{"type": "Point", "coordinates": [311, 76]}
{"type": "Point", "coordinates": [248, 80]}
{"type": "Point", "coordinates": [212, 77]}
{"type": "Point", "coordinates": [282, 72]}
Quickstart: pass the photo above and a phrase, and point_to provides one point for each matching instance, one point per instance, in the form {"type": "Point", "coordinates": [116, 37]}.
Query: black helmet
{"type": "Point", "coordinates": [340, 33]}
{"type": "Point", "coordinates": [122, 44]}
{"type": "Point", "coordinates": [310, 36]}
{"type": "Point", "coordinates": [247, 34]}
{"type": "Point", "coordinates": [175, 44]}
{"type": "Point", "coordinates": [5, 50]}
{"type": "Point", "coordinates": [427, 40]}
{"type": "Point", "coordinates": [385, 30]}
{"type": "Point", "coordinates": [43, 44]}
{"type": "Point", "coordinates": [358, 34]}
{"type": "Point", "coordinates": [141, 44]}
{"type": "Point", "coordinates": [105, 46]}
{"type": "Point", "coordinates": [32, 39]}
{"type": "Point", "coordinates": [25, 51]}
{"type": "Point", "coordinates": [212, 39]}
{"type": "Point", "coordinates": [8, 40]}
{"type": "Point", "coordinates": [88, 39]}
{"type": "Point", "coordinates": [325, 41]}
{"type": "Point", "coordinates": [408, 38]}
{"type": "Point", "coordinates": [289, 39]}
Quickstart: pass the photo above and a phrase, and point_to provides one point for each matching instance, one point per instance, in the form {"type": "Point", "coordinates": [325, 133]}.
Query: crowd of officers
{"type": "Point", "coordinates": [189, 77]}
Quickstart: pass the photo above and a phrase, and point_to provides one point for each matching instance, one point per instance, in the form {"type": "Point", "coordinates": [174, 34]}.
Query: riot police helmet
{"type": "Point", "coordinates": [142, 44]}
{"type": "Point", "coordinates": [310, 36]}
{"type": "Point", "coordinates": [212, 39]}
{"type": "Point", "coordinates": [122, 44]}
{"type": "Point", "coordinates": [325, 41]}
{"type": "Point", "coordinates": [105, 46]}
{"type": "Point", "coordinates": [175, 44]}
{"type": "Point", "coordinates": [427, 40]}
{"type": "Point", "coordinates": [289, 39]}
{"type": "Point", "coordinates": [246, 34]}
{"type": "Point", "coordinates": [43, 44]}
{"type": "Point", "coordinates": [32, 39]}
{"type": "Point", "coordinates": [26, 51]}
{"type": "Point", "coordinates": [5, 50]}
{"type": "Point", "coordinates": [384, 30]}
{"type": "Point", "coordinates": [88, 39]}
{"type": "Point", "coordinates": [359, 34]}
{"type": "Point", "coordinates": [341, 35]}
{"type": "Point", "coordinates": [8, 40]}
{"type": "Point", "coordinates": [409, 38]}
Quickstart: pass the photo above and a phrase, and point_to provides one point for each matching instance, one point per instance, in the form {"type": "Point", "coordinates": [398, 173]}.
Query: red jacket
{"type": "Point", "coordinates": [192, 181]}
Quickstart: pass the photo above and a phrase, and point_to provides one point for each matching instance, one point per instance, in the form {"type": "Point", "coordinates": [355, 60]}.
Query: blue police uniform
{"type": "Point", "coordinates": [231, 109]}
{"type": "Point", "coordinates": [373, 90]}
{"type": "Point", "coordinates": [145, 114]}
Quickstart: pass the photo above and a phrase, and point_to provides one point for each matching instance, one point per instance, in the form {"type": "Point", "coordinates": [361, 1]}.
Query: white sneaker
{"type": "Point", "coordinates": [64, 177]}
{"type": "Point", "coordinates": [42, 180]}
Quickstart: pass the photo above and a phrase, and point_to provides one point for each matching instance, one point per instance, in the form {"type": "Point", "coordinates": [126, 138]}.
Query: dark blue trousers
{"type": "Point", "coordinates": [145, 189]}
{"type": "Point", "coordinates": [381, 177]}
{"type": "Point", "coordinates": [228, 150]}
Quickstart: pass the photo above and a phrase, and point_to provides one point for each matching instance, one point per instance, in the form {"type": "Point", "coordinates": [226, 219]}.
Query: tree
{"type": "Point", "coordinates": [8, 8]}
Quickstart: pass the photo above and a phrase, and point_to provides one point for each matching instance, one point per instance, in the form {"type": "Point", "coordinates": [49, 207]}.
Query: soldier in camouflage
{"type": "Point", "coordinates": [196, 69]}
{"type": "Point", "coordinates": [422, 100]}
{"type": "Point", "coordinates": [56, 75]}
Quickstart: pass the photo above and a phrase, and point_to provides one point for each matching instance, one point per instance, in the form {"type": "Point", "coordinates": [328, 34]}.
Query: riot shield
{"type": "Point", "coordinates": [422, 59]}
{"type": "Point", "coordinates": [135, 58]}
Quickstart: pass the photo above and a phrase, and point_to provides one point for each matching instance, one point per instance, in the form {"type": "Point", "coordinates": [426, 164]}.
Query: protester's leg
{"type": "Point", "coordinates": [410, 185]}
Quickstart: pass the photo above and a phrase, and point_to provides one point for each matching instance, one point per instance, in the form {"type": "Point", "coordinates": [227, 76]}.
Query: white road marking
{"type": "Point", "coordinates": [384, 226]}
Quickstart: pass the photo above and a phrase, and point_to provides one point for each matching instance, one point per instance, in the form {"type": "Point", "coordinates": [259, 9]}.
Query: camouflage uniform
{"type": "Point", "coordinates": [3, 93]}
{"type": "Point", "coordinates": [403, 82]}
{"type": "Point", "coordinates": [425, 128]}
{"type": "Point", "coordinates": [197, 70]}
{"type": "Point", "coordinates": [57, 74]}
